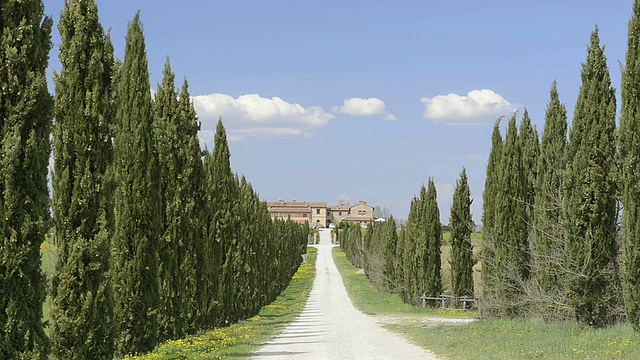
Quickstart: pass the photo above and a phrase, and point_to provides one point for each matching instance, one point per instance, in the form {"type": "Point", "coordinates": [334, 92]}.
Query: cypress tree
{"type": "Point", "coordinates": [488, 208]}
{"type": "Point", "coordinates": [390, 234]}
{"type": "Point", "coordinates": [511, 257]}
{"type": "Point", "coordinates": [416, 246]}
{"type": "Point", "coordinates": [174, 130]}
{"type": "Point", "coordinates": [590, 195]}
{"type": "Point", "coordinates": [530, 152]}
{"type": "Point", "coordinates": [433, 230]}
{"type": "Point", "coordinates": [461, 224]}
{"type": "Point", "coordinates": [25, 125]}
{"type": "Point", "coordinates": [82, 310]}
{"type": "Point", "coordinates": [400, 267]}
{"type": "Point", "coordinates": [193, 265]}
{"type": "Point", "coordinates": [137, 204]}
{"type": "Point", "coordinates": [222, 194]}
{"type": "Point", "coordinates": [630, 165]}
{"type": "Point", "coordinates": [548, 232]}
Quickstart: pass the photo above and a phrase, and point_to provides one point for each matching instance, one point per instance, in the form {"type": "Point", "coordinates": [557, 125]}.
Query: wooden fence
{"type": "Point", "coordinates": [448, 302]}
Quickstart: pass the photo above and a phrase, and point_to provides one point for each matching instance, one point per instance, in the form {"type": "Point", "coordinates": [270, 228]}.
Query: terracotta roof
{"type": "Point", "coordinates": [288, 205]}
{"type": "Point", "coordinates": [290, 210]}
{"type": "Point", "coordinates": [318, 204]}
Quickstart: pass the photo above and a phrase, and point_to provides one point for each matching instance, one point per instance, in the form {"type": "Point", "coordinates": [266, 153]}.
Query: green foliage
{"type": "Point", "coordinates": [506, 256]}
{"type": "Point", "coordinates": [590, 200]}
{"type": "Point", "coordinates": [547, 244]}
{"type": "Point", "coordinates": [181, 183]}
{"type": "Point", "coordinates": [25, 126]}
{"type": "Point", "coordinates": [629, 145]}
{"type": "Point", "coordinates": [433, 232]}
{"type": "Point", "coordinates": [248, 258]}
{"type": "Point", "coordinates": [421, 248]}
{"type": "Point", "coordinates": [82, 305]}
{"type": "Point", "coordinates": [461, 224]}
{"type": "Point", "coordinates": [530, 151]}
{"type": "Point", "coordinates": [137, 204]}
{"type": "Point", "coordinates": [247, 336]}
{"type": "Point", "coordinates": [491, 189]}
{"type": "Point", "coordinates": [351, 242]}
{"type": "Point", "coordinates": [379, 252]}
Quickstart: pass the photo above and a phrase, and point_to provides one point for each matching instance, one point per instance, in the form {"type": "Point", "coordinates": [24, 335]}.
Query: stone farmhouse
{"type": "Point", "coordinates": [319, 214]}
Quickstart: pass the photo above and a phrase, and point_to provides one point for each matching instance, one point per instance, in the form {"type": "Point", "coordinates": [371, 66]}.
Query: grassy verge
{"type": "Point", "coordinates": [368, 300]}
{"type": "Point", "coordinates": [245, 337]}
{"type": "Point", "coordinates": [491, 339]}
{"type": "Point", "coordinates": [524, 339]}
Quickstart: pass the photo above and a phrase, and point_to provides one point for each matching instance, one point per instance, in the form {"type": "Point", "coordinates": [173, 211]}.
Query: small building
{"type": "Point", "coordinates": [298, 212]}
{"type": "Point", "coordinates": [361, 213]}
{"type": "Point", "coordinates": [335, 214]}
{"type": "Point", "coordinates": [319, 215]}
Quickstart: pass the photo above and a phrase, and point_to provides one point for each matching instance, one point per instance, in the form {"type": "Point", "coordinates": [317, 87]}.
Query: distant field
{"type": "Point", "coordinates": [476, 239]}
{"type": "Point", "coordinates": [49, 256]}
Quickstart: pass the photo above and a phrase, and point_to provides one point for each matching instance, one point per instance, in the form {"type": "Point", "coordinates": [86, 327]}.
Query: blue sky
{"type": "Point", "coordinates": [354, 100]}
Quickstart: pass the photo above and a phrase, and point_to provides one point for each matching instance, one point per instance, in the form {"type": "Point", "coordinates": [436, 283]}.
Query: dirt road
{"type": "Point", "coordinates": [331, 328]}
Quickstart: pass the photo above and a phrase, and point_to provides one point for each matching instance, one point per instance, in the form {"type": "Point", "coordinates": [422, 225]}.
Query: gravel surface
{"type": "Point", "coordinates": [331, 328]}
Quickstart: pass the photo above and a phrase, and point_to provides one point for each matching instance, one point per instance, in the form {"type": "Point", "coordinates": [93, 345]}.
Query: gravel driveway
{"type": "Point", "coordinates": [331, 328]}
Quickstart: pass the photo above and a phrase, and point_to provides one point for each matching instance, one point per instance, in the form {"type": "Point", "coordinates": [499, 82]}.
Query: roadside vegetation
{"type": "Point", "coordinates": [245, 337]}
{"type": "Point", "coordinates": [488, 339]}
{"type": "Point", "coordinates": [370, 301]}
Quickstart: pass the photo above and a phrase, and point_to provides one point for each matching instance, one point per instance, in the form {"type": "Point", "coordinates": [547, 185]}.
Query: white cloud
{"type": "Point", "coordinates": [364, 107]}
{"type": "Point", "coordinates": [254, 116]}
{"type": "Point", "coordinates": [478, 107]}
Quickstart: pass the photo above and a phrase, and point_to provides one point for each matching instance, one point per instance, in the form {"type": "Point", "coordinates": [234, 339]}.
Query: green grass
{"type": "Point", "coordinates": [368, 300]}
{"type": "Point", "coordinates": [247, 336]}
{"type": "Point", "coordinates": [49, 256]}
{"type": "Point", "coordinates": [489, 339]}
{"type": "Point", "coordinates": [526, 339]}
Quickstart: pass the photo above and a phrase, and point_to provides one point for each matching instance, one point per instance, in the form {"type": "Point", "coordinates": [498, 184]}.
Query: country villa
{"type": "Point", "coordinates": [319, 214]}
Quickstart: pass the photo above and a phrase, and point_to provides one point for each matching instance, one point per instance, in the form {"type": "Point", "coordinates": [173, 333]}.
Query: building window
{"type": "Point", "coordinates": [317, 211]}
{"type": "Point", "coordinates": [304, 215]}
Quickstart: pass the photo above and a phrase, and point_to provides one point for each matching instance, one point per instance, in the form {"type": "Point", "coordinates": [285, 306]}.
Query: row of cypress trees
{"type": "Point", "coordinates": [408, 260]}
{"type": "Point", "coordinates": [26, 109]}
{"type": "Point", "coordinates": [155, 239]}
{"type": "Point", "coordinates": [551, 209]}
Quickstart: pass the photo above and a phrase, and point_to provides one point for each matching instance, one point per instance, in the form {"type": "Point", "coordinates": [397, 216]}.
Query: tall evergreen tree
{"type": "Point", "coordinates": [630, 157]}
{"type": "Point", "coordinates": [433, 229]}
{"type": "Point", "coordinates": [590, 198]}
{"type": "Point", "coordinates": [25, 125]}
{"type": "Point", "coordinates": [193, 208]}
{"type": "Point", "coordinates": [390, 234]}
{"type": "Point", "coordinates": [82, 309]}
{"type": "Point", "coordinates": [400, 267]}
{"type": "Point", "coordinates": [491, 188]}
{"type": "Point", "coordinates": [415, 249]}
{"type": "Point", "coordinates": [222, 193]}
{"type": "Point", "coordinates": [530, 152]}
{"type": "Point", "coordinates": [547, 242]}
{"type": "Point", "coordinates": [137, 204]}
{"type": "Point", "coordinates": [461, 224]}
{"type": "Point", "coordinates": [175, 131]}
{"type": "Point", "coordinates": [510, 263]}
